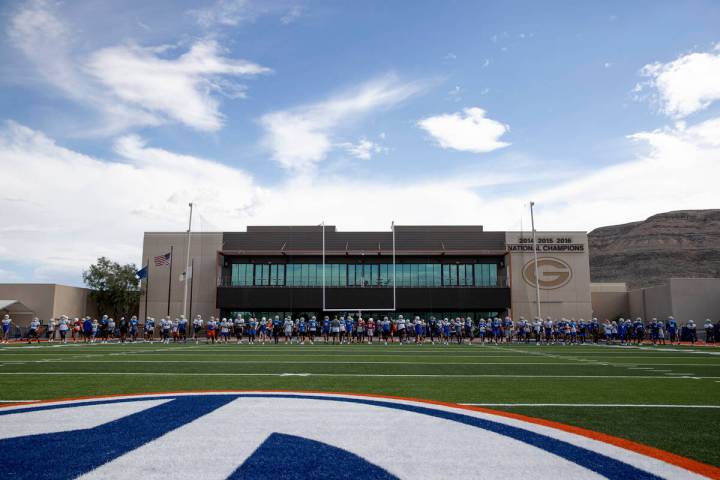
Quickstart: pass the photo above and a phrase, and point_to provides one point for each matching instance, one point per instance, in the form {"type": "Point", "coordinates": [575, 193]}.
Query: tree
{"type": "Point", "coordinates": [114, 287]}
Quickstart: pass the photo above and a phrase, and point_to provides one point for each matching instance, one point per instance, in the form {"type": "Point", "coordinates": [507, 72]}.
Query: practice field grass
{"type": "Point", "coordinates": [667, 397]}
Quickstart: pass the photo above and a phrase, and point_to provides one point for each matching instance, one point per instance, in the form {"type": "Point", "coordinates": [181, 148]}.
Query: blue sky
{"type": "Point", "coordinates": [116, 114]}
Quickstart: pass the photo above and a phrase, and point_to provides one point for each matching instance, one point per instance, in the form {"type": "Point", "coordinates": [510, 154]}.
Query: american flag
{"type": "Point", "coordinates": [162, 260]}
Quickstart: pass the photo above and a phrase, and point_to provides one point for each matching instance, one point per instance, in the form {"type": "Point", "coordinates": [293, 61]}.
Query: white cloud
{"type": "Point", "coordinates": [687, 84]}
{"type": "Point", "coordinates": [469, 131]}
{"type": "Point", "coordinates": [227, 13]}
{"type": "Point", "coordinates": [127, 85]}
{"type": "Point", "coordinates": [679, 172]}
{"type": "Point", "coordinates": [72, 208]}
{"type": "Point", "coordinates": [300, 138]}
{"type": "Point", "coordinates": [180, 88]}
{"type": "Point", "coordinates": [364, 149]}
{"type": "Point", "coordinates": [231, 13]}
{"type": "Point", "coordinates": [293, 14]}
{"type": "Point", "coordinates": [64, 221]}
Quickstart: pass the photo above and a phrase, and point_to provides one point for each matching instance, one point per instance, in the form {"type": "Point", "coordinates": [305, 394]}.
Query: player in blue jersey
{"type": "Point", "coordinates": [134, 328]}
{"type": "Point", "coordinates": [349, 330]}
{"type": "Point", "coordinates": [481, 330]}
{"type": "Point", "coordinates": [302, 328]}
{"type": "Point", "coordinates": [262, 329]}
{"type": "Point", "coordinates": [7, 325]}
{"type": "Point", "coordinates": [672, 329]}
{"type": "Point", "coordinates": [312, 329]}
{"type": "Point", "coordinates": [386, 330]}
{"type": "Point", "coordinates": [419, 327]}
{"type": "Point", "coordinates": [277, 327]}
{"type": "Point", "coordinates": [639, 329]}
{"type": "Point", "coordinates": [326, 329]}
{"type": "Point", "coordinates": [252, 326]}
{"type": "Point", "coordinates": [446, 325]}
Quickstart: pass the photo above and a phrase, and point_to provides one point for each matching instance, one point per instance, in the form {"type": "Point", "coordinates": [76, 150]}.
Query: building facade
{"type": "Point", "coordinates": [414, 270]}
{"type": "Point", "coordinates": [45, 301]}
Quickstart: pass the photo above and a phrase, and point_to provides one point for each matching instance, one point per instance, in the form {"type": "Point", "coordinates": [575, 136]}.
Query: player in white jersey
{"type": "Point", "coordinates": [548, 326]}
{"type": "Point", "coordinates": [401, 328]}
{"type": "Point", "coordinates": [197, 324]}
{"type": "Point", "coordinates": [50, 332]}
{"type": "Point", "coordinates": [165, 329]}
{"type": "Point", "coordinates": [34, 330]}
{"type": "Point", "coordinates": [7, 325]}
{"type": "Point", "coordinates": [239, 328]}
{"type": "Point", "coordinates": [63, 327]}
{"type": "Point", "coordinates": [149, 329]}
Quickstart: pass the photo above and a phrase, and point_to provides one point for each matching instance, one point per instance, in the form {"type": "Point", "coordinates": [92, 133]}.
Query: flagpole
{"type": "Point", "coordinates": [147, 287]}
{"type": "Point", "coordinates": [537, 277]}
{"type": "Point", "coordinates": [170, 281]}
{"type": "Point", "coordinates": [187, 262]}
{"type": "Point", "coordinates": [192, 278]}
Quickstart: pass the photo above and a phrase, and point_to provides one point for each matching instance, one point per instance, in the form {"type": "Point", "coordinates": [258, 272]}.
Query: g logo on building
{"type": "Point", "coordinates": [303, 435]}
{"type": "Point", "coordinates": [553, 272]}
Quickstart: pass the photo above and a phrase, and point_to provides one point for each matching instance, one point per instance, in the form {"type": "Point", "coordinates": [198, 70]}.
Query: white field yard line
{"type": "Point", "coordinates": [279, 354]}
{"type": "Point", "coordinates": [601, 405]}
{"type": "Point", "coordinates": [296, 362]}
{"type": "Point", "coordinates": [629, 366]}
{"type": "Point", "coordinates": [664, 349]}
{"type": "Point", "coordinates": [409, 375]}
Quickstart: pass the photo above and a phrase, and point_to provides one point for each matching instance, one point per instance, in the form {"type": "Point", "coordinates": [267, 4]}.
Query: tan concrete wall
{"type": "Point", "coordinates": [609, 300]}
{"type": "Point", "coordinates": [203, 251]}
{"type": "Point", "coordinates": [48, 300]}
{"type": "Point", "coordinates": [571, 300]}
{"type": "Point", "coordinates": [695, 299]}
{"type": "Point", "coordinates": [73, 302]}
{"type": "Point", "coordinates": [636, 303]}
{"type": "Point", "coordinates": [658, 302]}
{"type": "Point", "coordinates": [38, 297]}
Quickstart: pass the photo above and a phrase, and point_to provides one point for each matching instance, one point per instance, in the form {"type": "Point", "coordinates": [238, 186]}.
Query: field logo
{"type": "Point", "coordinates": [300, 435]}
{"type": "Point", "coordinates": [553, 272]}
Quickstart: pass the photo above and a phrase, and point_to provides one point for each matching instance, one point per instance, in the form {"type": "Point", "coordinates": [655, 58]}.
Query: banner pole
{"type": "Point", "coordinates": [147, 287]}
{"type": "Point", "coordinates": [170, 281]}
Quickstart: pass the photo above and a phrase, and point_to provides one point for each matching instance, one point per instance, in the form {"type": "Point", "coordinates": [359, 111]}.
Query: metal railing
{"type": "Point", "coordinates": [227, 282]}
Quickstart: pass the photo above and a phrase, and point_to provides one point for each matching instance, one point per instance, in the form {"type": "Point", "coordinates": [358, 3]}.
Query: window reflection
{"type": "Point", "coordinates": [364, 275]}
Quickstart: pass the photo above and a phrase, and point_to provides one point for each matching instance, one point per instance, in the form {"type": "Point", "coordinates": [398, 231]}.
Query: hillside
{"type": "Point", "coordinates": [684, 243]}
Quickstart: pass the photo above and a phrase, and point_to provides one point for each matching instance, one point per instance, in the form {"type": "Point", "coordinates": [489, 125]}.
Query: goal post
{"type": "Point", "coordinates": [361, 309]}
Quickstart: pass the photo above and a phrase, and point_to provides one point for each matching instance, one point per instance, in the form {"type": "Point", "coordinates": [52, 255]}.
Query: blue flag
{"type": "Point", "coordinates": [142, 273]}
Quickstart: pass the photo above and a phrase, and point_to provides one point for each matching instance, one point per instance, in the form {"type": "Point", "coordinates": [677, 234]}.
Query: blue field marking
{"type": "Point", "coordinates": [107, 442]}
{"type": "Point", "coordinates": [94, 447]}
{"type": "Point", "coordinates": [299, 458]}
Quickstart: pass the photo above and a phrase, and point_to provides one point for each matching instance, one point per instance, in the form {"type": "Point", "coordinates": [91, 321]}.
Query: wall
{"type": "Point", "coordinates": [203, 251]}
{"type": "Point", "coordinates": [73, 302]}
{"type": "Point", "coordinates": [38, 297]}
{"type": "Point", "coordinates": [609, 300]}
{"type": "Point", "coordinates": [657, 303]}
{"type": "Point", "coordinates": [696, 299]}
{"type": "Point", "coordinates": [569, 299]}
{"type": "Point", "coordinates": [49, 300]}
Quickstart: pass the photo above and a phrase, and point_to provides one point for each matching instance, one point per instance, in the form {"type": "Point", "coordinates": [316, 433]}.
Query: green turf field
{"type": "Point", "coordinates": [595, 387]}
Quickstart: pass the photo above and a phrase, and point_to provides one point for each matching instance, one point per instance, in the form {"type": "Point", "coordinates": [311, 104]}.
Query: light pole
{"type": "Point", "coordinates": [537, 277]}
{"type": "Point", "coordinates": [187, 263]}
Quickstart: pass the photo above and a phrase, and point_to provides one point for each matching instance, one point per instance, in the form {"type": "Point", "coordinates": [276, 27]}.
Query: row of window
{"type": "Point", "coordinates": [364, 275]}
{"type": "Point", "coordinates": [365, 315]}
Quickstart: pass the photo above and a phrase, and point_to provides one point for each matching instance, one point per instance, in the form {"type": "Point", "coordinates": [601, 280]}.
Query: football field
{"type": "Point", "coordinates": [666, 397]}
